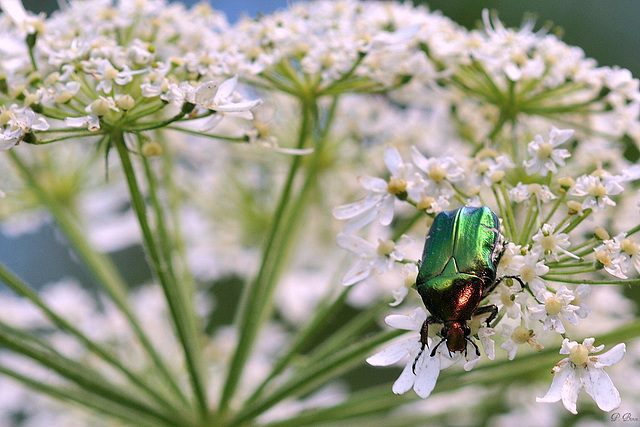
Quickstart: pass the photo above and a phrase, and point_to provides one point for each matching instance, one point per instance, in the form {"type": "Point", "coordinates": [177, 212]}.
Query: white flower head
{"type": "Point", "coordinates": [611, 256]}
{"type": "Point", "coordinates": [440, 172]}
{"type": "Point", "coordinates": [372, 258]}
{"type": "Point", "coordinates": [596, 190]}
{"type": "Point", "coordinates": [516, 337]}
{"type": "Point", "coordinates": [380, 199]}
{"type": "Point", "coordinates": [547, 244]}
{"type": "Point", "coordinates": [16, 123]}
{"type": "Point", "coordinates": [522, 192]}
{"type": "Point", "coordinates": [545, 157]}
{"type": "Point", "coordinates": [580, 370]}
{"type": "Point", "coordinates": [422, 373]}
{"type": "Point", "coordinates": [554, 308]}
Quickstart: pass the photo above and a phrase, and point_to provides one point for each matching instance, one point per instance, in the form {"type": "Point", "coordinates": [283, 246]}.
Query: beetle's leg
{"type": "Point", "coordinates": [433, 352]}
{"type": "Point", "coordinates": [424, 333]}
{"type": "Point", "coordinates": [487, 309]}
{"type": "Point", "coordinates": [474, 344]}
{"type": "Point", "coordinates": [490, 289]}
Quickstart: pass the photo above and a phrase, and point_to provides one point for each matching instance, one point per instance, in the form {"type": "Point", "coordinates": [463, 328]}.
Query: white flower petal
{"type": "Point", "coordinates": [570, 390]}
{"type": "Point", "coordinates": [394, 353]}
{"type": "Point", "coordinates": [360, 271]}
{"type": "Point", "coordinates": [599, 386]}
{"type": "Point", "coordinates": [355, 244]}
{"type": "Point", "coordinates": [374, 184]}
{"type": "Point", "coordinates": [554, 393]}
{"type": "Point", "coordinates": [235, 106]}
{"type": "Point", "coordinates": [386, 210]}
{"type": "Point", "coordinates": [405, 380]}
{"type": "Point", "coordinates": [227, 87]}
{"type": "Point", "coordinates": [351, 210]}
{"type": "Point", "coordinates": [426, 375]}
{"type": "Point", "coordinates": [612, 356]}
{"type": "Point", "coordinates": [360, 221]}
{"type": "Point", "coordinates": [393, 161]}
{"type": "Point", "coordinates": [412, 322]}
{"type": "Point", "coordinates": [399, 295]}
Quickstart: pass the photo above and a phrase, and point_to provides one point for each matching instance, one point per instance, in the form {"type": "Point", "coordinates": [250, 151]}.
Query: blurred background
{"type": "Point", "coordinates": [605, 30]}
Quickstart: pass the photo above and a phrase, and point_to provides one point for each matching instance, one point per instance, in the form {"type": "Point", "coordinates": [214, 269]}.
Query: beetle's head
{"type": "Point", "coordinates": [456, 335]}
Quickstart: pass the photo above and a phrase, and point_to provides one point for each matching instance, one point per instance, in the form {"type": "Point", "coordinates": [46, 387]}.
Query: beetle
{"type": "Point", "coordinates": [458, 270]}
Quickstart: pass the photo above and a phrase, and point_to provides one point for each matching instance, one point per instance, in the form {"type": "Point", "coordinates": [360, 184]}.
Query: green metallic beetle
{"type": "Point", "coordinates": [458, 269]}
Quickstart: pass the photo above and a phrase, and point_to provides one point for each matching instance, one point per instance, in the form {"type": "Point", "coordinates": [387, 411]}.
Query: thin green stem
{"type": "Point", "coordinates": [310, 377]}
{"type": "Point", "coordinates": [25, 291]}
{"type": "Point", "coordinates": [87, 400]}
{"type": "Point", "coordinates": [254, 305]}
{"type": "Point", "coordinates": [184, 321]}
{"type": "Point", "coordinates": [305, 336]}
{"type": "Point", "coordinates": [82, 375]}
{"type": "Point", "coordinates": [564, 279]}
{"type": "Point", "coordinates": [99, 264]}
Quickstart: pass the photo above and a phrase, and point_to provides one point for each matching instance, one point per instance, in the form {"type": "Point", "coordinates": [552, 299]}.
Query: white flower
{"type": "Point", "coordinates": [629, 251]}
{"type": "Point", "coordinates": [517, 336]}
{"type": "Point", "coordinates": [440, 172]}
{"type": "Point", "coordinates": [492, 169]}
{"type": "Point", "coordinates": [409, 272]}
{"type": "Point", "coordinates": [510, 297]}
{"type": "Point", "coordinates": [522, 192]}
{"type": "Point", "coordinates": [553, 308]}
{"type": "Point", "coordinates": [581, 293]}
{"type": "Point", "coordinates": [597, 190]}
{"type": "Point", "coordinates": [16, 123]}
{"type": "Point", "coordinates": [548, 244]}
{"type": "Point", "coordinates": [422, 378]}
{"type": "Point", "coordinates": [220, 98]}
{"type": "Point", "coordinates": [380, 200]}
{"type": "Point", "coordinates": [610, 255]}
{"type": "Point", "coordinates": [380, 258]}
{"type": "Point", "coordinates": [581, 370]}
{"type": "Point", "coordinates": [545, 156]}
{"type": "Point", "coordinates": [421, 375]}
{"type": "Point", "coordinates": [529, 269]}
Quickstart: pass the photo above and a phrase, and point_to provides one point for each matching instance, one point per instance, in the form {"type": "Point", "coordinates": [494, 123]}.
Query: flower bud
{"type": "Point", "coordinates": [574, 207]}
{"type": "Point", "coordinates": [601, 233]}
{"type": "Point", "coordinates": [152, 149]}
{"type": "Point", "coordinates": [126, 102]}
{"type": "Point", "coordinates": [100, 107]}
{"type": "Point", "coordinates": [566, 182]}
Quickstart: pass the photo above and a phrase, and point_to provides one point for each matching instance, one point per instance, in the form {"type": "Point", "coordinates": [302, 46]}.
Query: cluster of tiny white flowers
{"type": "Point", "coordinates": [538, 250]}
{"type": "Point", "coordinates": [419, 119]}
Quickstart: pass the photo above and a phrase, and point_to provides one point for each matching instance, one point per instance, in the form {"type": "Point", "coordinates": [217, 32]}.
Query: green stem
{"type": "Point", "coordinates": [254, 305]}
{"type": "Point", "coordinates": [564, 279]}
{"type": "Point", "coordinates": [87, 400]}
{"type": "Point", "coordinates": [84, 377]}
{"type": "Point", "coordinates": [99, 264]}
{"type": "Point", "coordinates": [310, 377]}
{"type": "Point", "coordinates": [25, 291]}
{"type": "Point", "coordinates": [305, 336]}
{"type": "Point", "coordinates": [184, 321]}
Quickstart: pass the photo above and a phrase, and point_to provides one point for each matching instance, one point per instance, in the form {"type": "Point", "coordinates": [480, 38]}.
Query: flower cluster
{"type": "Point", "coordinates": [177, 104]}
{"type": "Point", "coordinates": [544, 224]}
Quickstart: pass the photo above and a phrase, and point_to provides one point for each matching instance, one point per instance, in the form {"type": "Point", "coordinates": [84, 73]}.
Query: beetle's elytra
{"type": "Point", "coordinates": [458, 269]}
